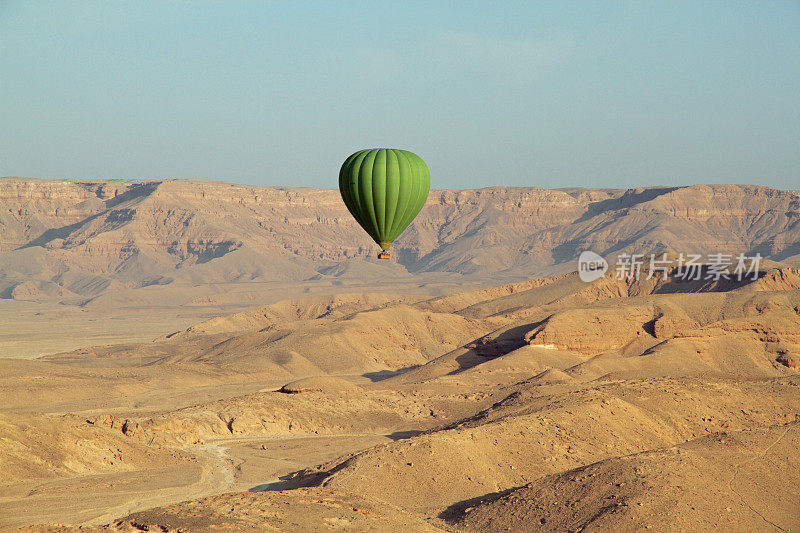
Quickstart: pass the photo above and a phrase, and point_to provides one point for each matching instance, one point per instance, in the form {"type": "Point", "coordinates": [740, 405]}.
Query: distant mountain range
{"type": "Point", "coordinates": [73, 240]}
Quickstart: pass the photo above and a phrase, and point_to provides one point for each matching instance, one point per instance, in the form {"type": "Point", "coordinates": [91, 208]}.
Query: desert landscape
{"type": "Point", "coordinates": [399, 266]}
{"type": "Point", "coordinates": [185, 355]}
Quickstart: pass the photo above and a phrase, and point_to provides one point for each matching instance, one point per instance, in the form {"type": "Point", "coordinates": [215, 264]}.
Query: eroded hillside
{"type": "Point", "coordinates": [73, 241]}
{"type": "Point", "coordinates": [549, 404]}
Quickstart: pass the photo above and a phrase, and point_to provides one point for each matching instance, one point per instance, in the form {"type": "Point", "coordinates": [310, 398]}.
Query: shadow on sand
{"type": "Point", "coordinates": [456, 511]}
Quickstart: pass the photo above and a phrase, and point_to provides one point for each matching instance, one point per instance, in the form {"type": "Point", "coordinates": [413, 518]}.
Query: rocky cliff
{"type": "Point", "coordinates": [73, 237]}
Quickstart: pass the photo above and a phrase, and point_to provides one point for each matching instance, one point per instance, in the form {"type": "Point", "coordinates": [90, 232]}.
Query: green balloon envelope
{"type": "Point", "coordinates": [384, 189]}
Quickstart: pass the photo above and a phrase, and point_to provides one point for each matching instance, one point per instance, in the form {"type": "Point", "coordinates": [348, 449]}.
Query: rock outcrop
{"type": "Point", "coordinates": [91, 236]}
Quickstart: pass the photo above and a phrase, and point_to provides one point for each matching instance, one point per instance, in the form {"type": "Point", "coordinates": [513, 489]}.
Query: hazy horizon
{"type": "Point", "coordinates": [333, 187]}
{"type": "Point", "coordinates": [553, 95]}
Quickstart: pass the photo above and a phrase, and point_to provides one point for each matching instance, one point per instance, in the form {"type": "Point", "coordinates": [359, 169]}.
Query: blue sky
{"type": "Point", "coordinates": [549, 94]}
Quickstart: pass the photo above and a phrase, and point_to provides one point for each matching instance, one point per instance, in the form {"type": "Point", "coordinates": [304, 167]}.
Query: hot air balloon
{"type": "Point", "coordinates": [384, 189]}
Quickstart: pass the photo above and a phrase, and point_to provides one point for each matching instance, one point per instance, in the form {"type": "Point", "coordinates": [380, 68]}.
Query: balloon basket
{"type": "Point", "coordinates": [383, 255]}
